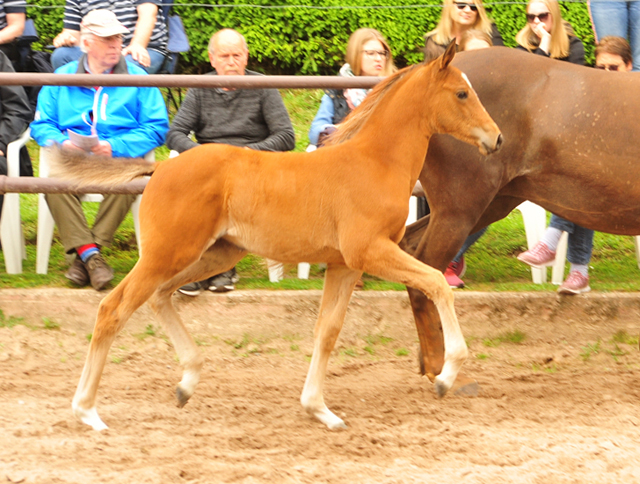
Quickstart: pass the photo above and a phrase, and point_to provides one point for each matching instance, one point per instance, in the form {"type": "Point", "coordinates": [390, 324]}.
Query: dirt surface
{"type": "Point", "coordinates": [560, 406]}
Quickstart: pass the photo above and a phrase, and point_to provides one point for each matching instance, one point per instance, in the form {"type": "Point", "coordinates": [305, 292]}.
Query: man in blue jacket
{"type": "Point", "coordinates": [110, 121]}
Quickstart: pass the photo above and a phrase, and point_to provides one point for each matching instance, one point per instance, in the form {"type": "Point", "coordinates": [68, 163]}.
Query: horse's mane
{"type": "Point", "coordinates": [354, 121]}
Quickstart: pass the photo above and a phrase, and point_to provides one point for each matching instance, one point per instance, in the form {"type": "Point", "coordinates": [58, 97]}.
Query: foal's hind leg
{"type": "Point", "coordinates": [385, 259]}
{"type": "Point", "coordinates": [221, 257]}
{"type": "Point", "coordinates": [113, 313]}
{"type": "Point", "coordinates": [338, 287]}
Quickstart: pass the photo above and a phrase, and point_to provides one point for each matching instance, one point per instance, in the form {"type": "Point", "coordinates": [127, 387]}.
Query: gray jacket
{"type": "Point", "coordinates": [255, 118]}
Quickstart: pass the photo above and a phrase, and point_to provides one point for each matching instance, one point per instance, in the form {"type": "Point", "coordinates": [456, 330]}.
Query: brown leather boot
{"type": "Point", "coordinates": [99, 271]}
{"type": "Point", "coordinates": [77, 273]}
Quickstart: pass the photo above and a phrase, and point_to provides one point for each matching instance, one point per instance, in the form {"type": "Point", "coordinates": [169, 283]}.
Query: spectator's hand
{"type": "Point", "coordinates": [324, 134]}
{"type": "Point", "coordinates": [138, 53]}
{"type": "Point", "coordinates": [67, 144]}
{"type": "Point", "coordinates": [540, 31]}
{"type": "Point", "coordinates": [103, 148]}
{"type": "Point", "coordinates": [65, 39]}
{"type": "Point", "coordinates": [1, 153]}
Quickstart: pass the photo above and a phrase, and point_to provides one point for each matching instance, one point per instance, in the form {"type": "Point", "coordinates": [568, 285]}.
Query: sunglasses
{"type": "Point", "coordinates": [605, 67]}
{"type": "Point", "coordinates": [462, 6]}
{"type": "Point", "coordinates": [543, 17]}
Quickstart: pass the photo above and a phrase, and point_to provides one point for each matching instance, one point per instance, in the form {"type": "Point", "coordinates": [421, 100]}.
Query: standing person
{"type": "Point", "coordinates": [368, 54]}
{"type": "Point", "coordinates": [254, 118]}
{"type": "Point", "coordinates": [619, 18]}
{"type": "Point", "coordinates": [13, 15]}
{"type": "Point", "coordinates": [547, 34]}
{"type": "Point", "coordinates": [457, 17]}
{"type": "Point", "coordinates": [144, 43]}
{"type": "Point", "coordinates": [127, 121]}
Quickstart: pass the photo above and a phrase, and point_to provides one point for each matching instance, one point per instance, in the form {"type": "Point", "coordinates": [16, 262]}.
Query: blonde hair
{"type": "Point", "coordinates": [354, 50]}
{"type": "Point", "coordinates": [443, 33]}
{"type": "Point", "coordinates": [474, 34]}
{"type": "Point", "coordinates": [560, 32]}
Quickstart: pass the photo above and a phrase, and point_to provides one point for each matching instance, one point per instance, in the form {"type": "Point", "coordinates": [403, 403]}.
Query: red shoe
{"type": "Point", "coordinates": [539, 256]}
{"type": "Point", "coordinates": [454, 281]}
{"type": "Point", "coordinates": [575, 283]}
{"type": "Point", "coordinates": [458, 268]}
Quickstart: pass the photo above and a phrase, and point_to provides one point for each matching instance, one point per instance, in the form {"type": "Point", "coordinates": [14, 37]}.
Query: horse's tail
{"type": "Point", "coordinates": [88, 169]}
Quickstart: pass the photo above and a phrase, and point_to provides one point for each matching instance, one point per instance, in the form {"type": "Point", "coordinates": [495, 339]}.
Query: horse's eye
{"type": "Point", "coordinates": [462, 95]}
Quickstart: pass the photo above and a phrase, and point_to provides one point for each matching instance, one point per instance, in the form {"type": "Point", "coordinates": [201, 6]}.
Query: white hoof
{"type": "Point", "coordinates": [90, 417]}
{"type": "Point", "coordinates": [330, 419]}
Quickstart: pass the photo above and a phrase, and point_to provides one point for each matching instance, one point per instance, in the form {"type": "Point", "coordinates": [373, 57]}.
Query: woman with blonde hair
{"type": "Point", "coordinates": [368, 54]}
{"type": "Point", "coordinates": [457, 17]}
{"type": "Point", "coordinates": [546, 33]}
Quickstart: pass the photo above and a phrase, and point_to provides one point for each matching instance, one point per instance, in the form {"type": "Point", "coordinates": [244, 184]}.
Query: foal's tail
{"type": "Point", "coordinates": [88, 169]}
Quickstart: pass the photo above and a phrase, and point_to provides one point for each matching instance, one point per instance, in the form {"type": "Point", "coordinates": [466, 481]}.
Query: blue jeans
{"type": "Point", "coordinates": [620, 18]}
{"type": "Point", "coordinates": [468, 243]}
{"type": "Point", "coordinates": [580, 243]}
{"type": "Point", "coordinates": [64, 55]}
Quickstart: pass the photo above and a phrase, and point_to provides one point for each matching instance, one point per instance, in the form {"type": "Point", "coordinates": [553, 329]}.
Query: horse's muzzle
{"type": "Point", "coordinates": [492, 147]}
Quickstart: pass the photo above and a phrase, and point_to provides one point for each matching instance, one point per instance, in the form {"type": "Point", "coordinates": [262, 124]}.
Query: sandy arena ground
{"type": "Point", "coordinates": [560, 407]}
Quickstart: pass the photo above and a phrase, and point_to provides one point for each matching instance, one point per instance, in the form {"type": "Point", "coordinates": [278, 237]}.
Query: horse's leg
{"type": "Point", "coordinates": [220, 257]}
{"type": "Point", "coordinates": [113, 313]}
{"type": "Point", "coordinates": [338, 287]}
{"type": "Point", "coordinates": [385, 259]}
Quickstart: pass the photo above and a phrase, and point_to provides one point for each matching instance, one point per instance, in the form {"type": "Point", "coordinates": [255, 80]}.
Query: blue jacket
{"type": "Point", "coordinates": [132, 119]}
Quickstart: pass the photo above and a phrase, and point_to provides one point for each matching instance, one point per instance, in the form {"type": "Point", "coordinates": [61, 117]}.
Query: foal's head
{"type": "Point", "coordinates": [456, 108]}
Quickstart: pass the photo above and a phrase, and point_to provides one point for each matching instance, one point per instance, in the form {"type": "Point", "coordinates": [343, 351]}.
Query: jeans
{"type": "Point", "coordinates": [580, 243]}
{"type": "Point", "coordinates": [468, 243]}
{"type": "Point", "coordinates": [620, 18]}
{"type": "Point", "coordinates": [64, 55]}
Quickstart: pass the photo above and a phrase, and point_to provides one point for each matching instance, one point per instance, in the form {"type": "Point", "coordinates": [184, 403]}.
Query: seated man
{"type": "Point", "coordinates": [144, 42]}
{"type": "Point", "coordinates": [15, 114]}
{"type": "Point", "coordinates": [253, 118]}
{"type": "Point", "coordinates": [13, 15]}
{"type": "Point", "coordinates": [125, 122]}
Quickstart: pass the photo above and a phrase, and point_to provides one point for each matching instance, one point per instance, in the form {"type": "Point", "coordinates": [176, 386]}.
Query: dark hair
{"type": "Point", "coordinates": [615, 46]}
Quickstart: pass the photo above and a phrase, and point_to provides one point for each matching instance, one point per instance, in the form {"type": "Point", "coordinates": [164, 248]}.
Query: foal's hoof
{"type": "Point", "coordinates": [441, 388]}
{"type": "Point", "coordinates": [182, 397]}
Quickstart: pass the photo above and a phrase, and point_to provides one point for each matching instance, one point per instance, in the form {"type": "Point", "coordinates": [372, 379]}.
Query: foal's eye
{"type": "Point", "coordinates": [462, 95]}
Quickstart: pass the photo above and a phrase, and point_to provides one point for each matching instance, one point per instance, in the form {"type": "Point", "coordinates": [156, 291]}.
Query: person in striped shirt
{"type": "Point", "coordinates": [13, 14]}
{"type": "Point", "coordinates": [145, 44]}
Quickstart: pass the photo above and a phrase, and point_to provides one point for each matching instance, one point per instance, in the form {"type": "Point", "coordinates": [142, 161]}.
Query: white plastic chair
{"type": "Point", "coordinates": [46, 222]}
{"type": "Point", "coordinates": [10, 224]}
{"type": "Point", "coordinates": [535, 223]}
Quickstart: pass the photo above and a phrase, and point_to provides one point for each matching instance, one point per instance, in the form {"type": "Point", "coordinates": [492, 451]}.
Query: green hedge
{"type": "Point", "coordinates": [299, 40]}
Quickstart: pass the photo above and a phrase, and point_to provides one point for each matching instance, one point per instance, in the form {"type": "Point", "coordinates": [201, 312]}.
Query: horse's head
{"type": "Point", "coordinates": [458, 110]}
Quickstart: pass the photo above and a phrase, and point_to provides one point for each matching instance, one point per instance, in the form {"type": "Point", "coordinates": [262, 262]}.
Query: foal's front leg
{"type": "Point", "coordinates": [338, 287]}
{"type": "Point", "coordinates": [386, 260]}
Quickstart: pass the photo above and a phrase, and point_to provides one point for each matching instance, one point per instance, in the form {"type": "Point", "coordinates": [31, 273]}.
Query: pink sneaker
{"type": "Point", "coordinates": [539, 256]}
{"type": "Point", "coordinates": [575, 283]}
{"type": "Point", "coordinates": [454, 281]}
{"type": "Point", "coordinates": [458, 268]}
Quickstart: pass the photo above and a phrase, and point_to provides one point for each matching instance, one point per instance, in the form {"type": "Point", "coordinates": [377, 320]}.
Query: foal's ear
{"type": "Point", "coordinates": [447, 57]}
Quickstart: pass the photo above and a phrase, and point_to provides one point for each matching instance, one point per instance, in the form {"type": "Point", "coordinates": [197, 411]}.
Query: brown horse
{"type": "Point", "coordinates": [344, 205]}
{"type": "Point", "coordinates": [571, 146]}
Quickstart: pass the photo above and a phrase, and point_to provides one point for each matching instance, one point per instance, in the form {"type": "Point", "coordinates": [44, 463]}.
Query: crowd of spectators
{"type": "Point", "coordinates": [130, 37]}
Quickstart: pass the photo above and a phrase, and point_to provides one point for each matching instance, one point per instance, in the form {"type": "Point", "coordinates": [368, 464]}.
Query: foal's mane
{"type": "Point", "coordinates": [354, 121]}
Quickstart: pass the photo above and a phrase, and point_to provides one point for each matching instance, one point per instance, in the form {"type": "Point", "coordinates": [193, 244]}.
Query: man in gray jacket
{"type": "Point", "coordinates": [253, 118]}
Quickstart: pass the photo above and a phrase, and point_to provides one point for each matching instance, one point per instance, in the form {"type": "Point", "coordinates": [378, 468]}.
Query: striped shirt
{"type": "Point", "coordinates": [11, 6]}
{"type": "Point", "coordinates": [127, 13]}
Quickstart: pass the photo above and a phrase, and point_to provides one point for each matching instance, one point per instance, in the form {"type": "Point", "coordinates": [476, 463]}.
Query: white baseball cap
{"type": "Point", "coordinates": [103, 23]}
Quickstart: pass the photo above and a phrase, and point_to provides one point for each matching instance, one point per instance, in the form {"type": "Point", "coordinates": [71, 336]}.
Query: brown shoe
{"type": "Point", "coordinates": [77, 273]}
{"type": "Point", "coordinates": [99, 272]}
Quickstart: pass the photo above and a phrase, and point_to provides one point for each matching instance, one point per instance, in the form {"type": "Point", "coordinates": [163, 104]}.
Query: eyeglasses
{"type": "Point", "coordinates": [462, 6]}
{"type": "Point", "coordinates": [372, 54]}
{"type": "Point", "coordinates": [543, 17]}
{"type": "Point", "coordinates": [606, 67]}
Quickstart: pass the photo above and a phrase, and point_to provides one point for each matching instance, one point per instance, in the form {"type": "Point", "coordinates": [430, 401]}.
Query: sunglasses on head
{"type": "Point", "coordinates": [605, 67]}
{"type": "Point", "coordinates": [461, 6]}
{"type": "Point", "coordinates": [541, 16]}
